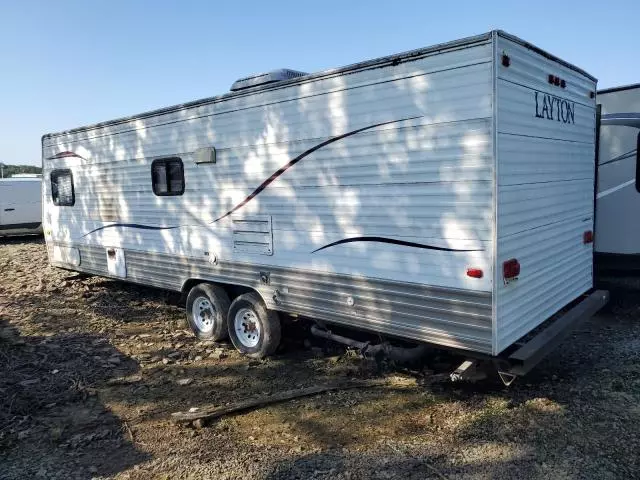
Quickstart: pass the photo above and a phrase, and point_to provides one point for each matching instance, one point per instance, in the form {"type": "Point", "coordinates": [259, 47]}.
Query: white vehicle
{"type": "Point", "coordinates": [443, 195]}
{"type": "Point", "coordinates": [20, 206]}
{"type": "Point", "coordinates": [26, 175]}
{"type": "Point", "coordinates": [618, 198]}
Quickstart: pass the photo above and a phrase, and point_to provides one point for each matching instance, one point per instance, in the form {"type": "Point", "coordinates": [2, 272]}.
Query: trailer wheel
{"type": "Point", "coordinates": [207, 309]}
{"type": "Point", "coordinates": [254, 330]}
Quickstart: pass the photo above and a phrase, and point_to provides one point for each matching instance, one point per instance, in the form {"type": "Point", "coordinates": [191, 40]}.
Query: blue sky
{"type": "Point", "coordinates": [66, 64]}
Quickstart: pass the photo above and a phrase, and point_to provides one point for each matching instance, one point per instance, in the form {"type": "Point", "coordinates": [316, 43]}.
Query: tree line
{"type": "Point", "coordinates": [10, 170]}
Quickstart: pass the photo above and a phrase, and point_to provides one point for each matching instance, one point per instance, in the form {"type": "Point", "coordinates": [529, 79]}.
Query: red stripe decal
{"type": "Point", "coordinates": [65, 155]}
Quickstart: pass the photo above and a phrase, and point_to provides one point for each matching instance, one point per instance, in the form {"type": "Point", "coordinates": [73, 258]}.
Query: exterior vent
{"type": "Point", "coordinates": [266, 78]}
{"type": "Point", "coordinates": [253, 234]}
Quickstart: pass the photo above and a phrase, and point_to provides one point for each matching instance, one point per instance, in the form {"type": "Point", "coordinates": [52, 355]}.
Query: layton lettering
{"type": "Point", "coordinates": [555, 108]}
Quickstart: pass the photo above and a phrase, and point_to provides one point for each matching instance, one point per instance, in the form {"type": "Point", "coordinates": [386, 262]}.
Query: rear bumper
{"type": "Point", "coordinates": [529, 354]}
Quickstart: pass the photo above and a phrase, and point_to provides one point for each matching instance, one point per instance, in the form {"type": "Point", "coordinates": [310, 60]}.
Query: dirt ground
{"type": "Point", "coordinates": [91, 369]}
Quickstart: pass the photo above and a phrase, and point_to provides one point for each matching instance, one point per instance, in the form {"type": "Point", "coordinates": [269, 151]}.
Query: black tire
{"type": "Point", "coordinates": [219, 303]}
{"type": "Point", "coordinates": [268, 331]}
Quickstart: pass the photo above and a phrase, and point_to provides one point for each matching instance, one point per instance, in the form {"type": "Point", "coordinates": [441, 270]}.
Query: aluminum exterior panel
{"type": "Point", "coordinates": [555, 161]}
{"type": "Point", "coordinates": [545, 164]}
{"type": "Point", "coordinates": [459, 53]}
{"type": "Point", "coordinates": [532, 70]}
{"type": "Point", "coordinates": [528, 206]}
{"type": "Point", "coordinates": [378, 183]}
{"type": "Point", "coordinates": [554, 271]}
{"type": "Point", "coordinates": [517, 111]}
{"type": "Point", "coordinates": [434, 98]}
{"type": "Point", "coordinates": [424, 181]}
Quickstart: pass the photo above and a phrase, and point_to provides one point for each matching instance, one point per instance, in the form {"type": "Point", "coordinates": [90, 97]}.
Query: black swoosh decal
{"type": "Point", "coordinates": [284, 168]}
{"type": "Point", "coordinates": [264, 184]}
{"type": "Point", "coordinates": [394, 241]}
{"type": "Point", "coordinates": [624, 156]}
{"type": "Point", "coordinates": [132, 225]}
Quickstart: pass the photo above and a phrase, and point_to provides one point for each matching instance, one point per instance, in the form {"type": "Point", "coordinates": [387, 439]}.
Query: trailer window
{"type": "Point", "coordinates": [167, 176]}
{"type": "Point", "coordinates": [62, 192]}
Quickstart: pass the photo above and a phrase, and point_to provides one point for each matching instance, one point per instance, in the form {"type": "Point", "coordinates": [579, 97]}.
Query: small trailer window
{"type": "Point", "coordinates": [62, 191]}
{"type": "Point", "coordinates": [167, 176]}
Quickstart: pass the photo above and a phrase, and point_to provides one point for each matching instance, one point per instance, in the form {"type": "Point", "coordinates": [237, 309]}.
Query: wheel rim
{"type": "Point", "coordinates": [247, 327]}
{"type": "Point", "coordinates": [203, 314]}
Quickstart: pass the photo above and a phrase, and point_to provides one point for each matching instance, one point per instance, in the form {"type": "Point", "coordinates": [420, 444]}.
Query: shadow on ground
{"type": "Point", "coordinates": [123, 361]}
{"type": "Point", "coordinates": [52, 424]}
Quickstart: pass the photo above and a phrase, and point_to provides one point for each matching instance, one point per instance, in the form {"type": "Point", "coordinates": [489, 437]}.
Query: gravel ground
{"type": "Point", "coordinates": [91, 369]}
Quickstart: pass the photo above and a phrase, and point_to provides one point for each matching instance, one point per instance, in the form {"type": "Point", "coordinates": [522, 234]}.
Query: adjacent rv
{"type": "Point", "coordinates": [20, 205]}
{"type": "Point", "coordinates": [442, 196]}
{"type": "Point", "coordinates": [618, 197]}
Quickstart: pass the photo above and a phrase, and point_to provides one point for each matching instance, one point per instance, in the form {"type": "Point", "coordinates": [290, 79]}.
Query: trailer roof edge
{"type": "Point", "coordinates": [546, 54]}
{"type": "Point", "coordinates": [374, 63]}
{"type": "Point", "coordinates": [621, 88]}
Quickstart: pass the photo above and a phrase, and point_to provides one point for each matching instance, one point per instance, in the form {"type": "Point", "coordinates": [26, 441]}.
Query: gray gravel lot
{"type": "Point", "coordinates": [91, 368]}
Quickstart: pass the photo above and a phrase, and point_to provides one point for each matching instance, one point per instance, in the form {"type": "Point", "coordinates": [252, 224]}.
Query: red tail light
{"type": "Point", "coordinates": [511, 269]}
{"type": "Point", "coordinates": [587, 237]}
{"type": "Point", "coordinates": [474, 273]}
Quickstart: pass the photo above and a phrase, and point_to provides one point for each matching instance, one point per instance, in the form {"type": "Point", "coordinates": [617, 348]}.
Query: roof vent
{"type": "Point", "coordinates": [266, 78]}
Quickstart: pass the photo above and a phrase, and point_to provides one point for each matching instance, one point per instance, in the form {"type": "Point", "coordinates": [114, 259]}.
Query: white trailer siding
{"type": "Point", "coordinates": [544, 191]}
{"type": "Point", "coordinates": [364, 194]}
{"type": "Point", "coordinates": [423, 177]}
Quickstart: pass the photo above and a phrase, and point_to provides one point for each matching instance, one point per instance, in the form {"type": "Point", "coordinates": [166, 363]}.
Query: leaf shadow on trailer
{"type": "Point", "coordinates": [51, 419]}
{"type": "Point", "coordinates": [341, 207]}
{"type": "Point", "coordinates": [412, 431]}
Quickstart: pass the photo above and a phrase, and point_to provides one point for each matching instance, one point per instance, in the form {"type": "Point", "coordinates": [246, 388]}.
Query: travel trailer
{"type": "Point", "coordinates": [442, 196]}
{"type": "Point", "coordinates": [617, 239]}
{"type": "Point", "coordinates": [20, 205]}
